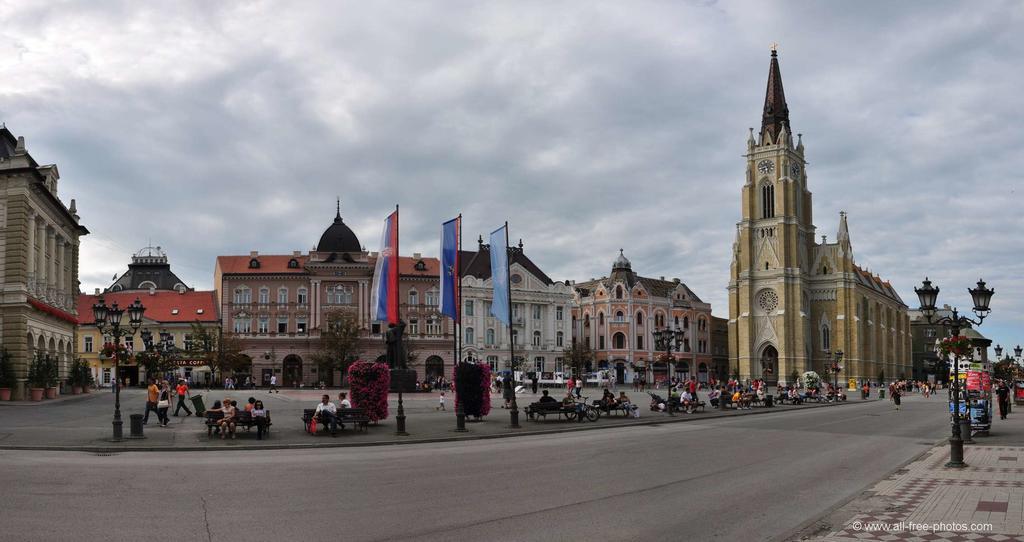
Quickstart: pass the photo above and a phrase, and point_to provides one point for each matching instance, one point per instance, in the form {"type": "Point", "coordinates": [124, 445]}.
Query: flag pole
{"type": "Point", "coordinates": [402, 356]}
{"type": "Point", "coordinates": [513, 407]}
{"type": "Point", "coordinates": [460, 411]}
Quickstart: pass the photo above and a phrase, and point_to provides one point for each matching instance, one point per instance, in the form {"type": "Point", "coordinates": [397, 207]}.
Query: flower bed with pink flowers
{"type": "Point", "coordinates": [369, 382]}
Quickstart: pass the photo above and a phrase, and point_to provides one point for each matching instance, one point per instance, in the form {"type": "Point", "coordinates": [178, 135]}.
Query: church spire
{"type": "Point", "coordinates": [776, 112]}
{"type": "Point", "coordinates": [844, 231]}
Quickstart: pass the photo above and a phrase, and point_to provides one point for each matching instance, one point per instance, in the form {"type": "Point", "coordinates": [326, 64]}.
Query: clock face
{"type": "Point", "coordinates": [794, 170]}
{"type": "Point", "coordinates": [765, 166]}
{"type": "Point", "coordinates": [517, 278]}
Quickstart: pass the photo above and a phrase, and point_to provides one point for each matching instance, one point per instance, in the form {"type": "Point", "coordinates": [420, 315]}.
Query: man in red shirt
{"type": "Point", "coordinates": [182, 390]}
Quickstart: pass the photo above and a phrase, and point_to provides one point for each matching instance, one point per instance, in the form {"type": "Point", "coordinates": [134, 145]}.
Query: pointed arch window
{"type": "Point", "coordinates": [767, 200]}
{"type": "Point", "coordinates": [618, 292]}
{"type": "Point", "coordinates": [826, 338]}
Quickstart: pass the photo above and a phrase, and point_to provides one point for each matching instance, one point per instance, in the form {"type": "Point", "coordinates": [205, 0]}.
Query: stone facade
{"type": "Point", "coordinates": [617, 315]}
{"type": "Point", "coordinates": [276, 304]}
{"type": "Point", "coordinates": [793, 300]}
{"type": "Point", "coordinates": [541, 313]}
{"type": "Point", "coordinates": [38, 261]}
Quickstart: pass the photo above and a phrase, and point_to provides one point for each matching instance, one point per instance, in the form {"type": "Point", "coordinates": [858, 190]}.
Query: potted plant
{"type": "Point", "coordinates": [36, 378]}
{"type": "Point", "coordinates": [80, 377]}
{"type": "Point", "coordinates": [6, 375]}
{"type": "Point", "coordinates": [50, 375]}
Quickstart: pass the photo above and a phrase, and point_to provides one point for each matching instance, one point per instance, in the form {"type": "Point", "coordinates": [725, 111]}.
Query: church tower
{"type": "Point", "coordinates": [768, 307]}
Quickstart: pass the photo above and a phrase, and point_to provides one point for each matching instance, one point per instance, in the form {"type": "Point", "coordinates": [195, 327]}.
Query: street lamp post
{"type": "Point", "coordinates": [835, 368]}
{"type": "Point", "coordinates": [981, 296]}
{"type": "Point", "coordinates": [108, 321]}
{"type": "Point", "coordinates": [669, 340]}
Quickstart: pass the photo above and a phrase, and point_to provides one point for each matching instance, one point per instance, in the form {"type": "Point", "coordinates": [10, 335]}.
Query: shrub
{"type": "Point", "coordinates": [811, 380]}
{"type": "Point", "coordinates": [37, 372]}
{"type": "Point", "coordinates": [6, 370]}
{"type": "Point", "coordinates": [369, 382]}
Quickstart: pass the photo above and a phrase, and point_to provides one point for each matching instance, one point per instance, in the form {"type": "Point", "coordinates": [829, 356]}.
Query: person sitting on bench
{"type": "Point", "coordinates": [227, 423]}
{"type": "Point", "coordinates": [545, 398]}
{"type": "Point", "coordinates": [713, 396]}
{"type": "Point", "coordinates": [325, 412]}
{"type": "Point", "coordinates": [259, 416]}
{"type": "Point", "coordinates": [687, 401]}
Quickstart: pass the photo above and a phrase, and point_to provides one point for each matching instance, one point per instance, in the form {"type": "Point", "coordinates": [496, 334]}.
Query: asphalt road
{"type": "Point", "coordinates": [748, 478]}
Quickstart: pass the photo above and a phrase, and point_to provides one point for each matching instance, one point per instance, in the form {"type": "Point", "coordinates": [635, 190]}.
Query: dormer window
{"type": "Point", "coordinates": [174, 311]}
{"type": "Point", "coordinates": [199, 311]}
{"type": "Point", "coordinates": [292, 264]}
{"type": "Point", "coordinates": [254, 264]}
{"type": "Point", "coordinates": [420, 266]}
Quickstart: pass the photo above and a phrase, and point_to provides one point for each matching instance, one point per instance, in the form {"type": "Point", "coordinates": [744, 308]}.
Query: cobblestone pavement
{"type": "Point", "coordinates": [927, 501]}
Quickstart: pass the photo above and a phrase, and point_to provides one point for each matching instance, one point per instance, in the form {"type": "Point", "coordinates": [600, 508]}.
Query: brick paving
{"type": "Point", "coordinates": [927, 501]}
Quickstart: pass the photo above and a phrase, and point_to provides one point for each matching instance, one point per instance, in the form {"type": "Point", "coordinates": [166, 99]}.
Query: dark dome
{"type": "Point", "coordinates": [338, 238]}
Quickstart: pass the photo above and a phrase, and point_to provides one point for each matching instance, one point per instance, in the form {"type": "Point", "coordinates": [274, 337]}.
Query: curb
{"type": "Point", "coordinates": [431, 440]}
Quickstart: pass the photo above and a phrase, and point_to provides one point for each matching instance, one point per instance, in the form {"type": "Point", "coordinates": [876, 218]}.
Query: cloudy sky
{"type": "Point", "coordinates": [220, 128]}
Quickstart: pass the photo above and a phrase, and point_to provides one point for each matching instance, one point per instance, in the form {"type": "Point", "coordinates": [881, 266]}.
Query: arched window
{"type": "Point", "coordinates": [264, 295]}
{"type": "Point", "coordinates": [303, 296]}
{"type": "Point", "coordinates": [826, 338]}
{"type": "Point", "coordinates": [767, 200]}
{"type": "Point", "coordinates": [600, 318]}
{"type": "Point", "coordinates": [619, 341]}
{"type": "Point", "coordinates": [619, 317]}
{"type": "Point", "coordinates": [414, 297]}
{"type": "Point", "coordinates": [686, 322]}
{"type": "Point", "coordinates": [618, 292]}
{"type": "Point", "coordinates": [243, 295]}
{"type": "Point", "coordinates": [536, 338]}
{"type": "Point", "coordinates": [470, 336]}
{"type": "Point", "coordinates": [559, 339]}
{"type": "Point", "coordinates": [282, 296]}
{"type": "Point", "coordinates": [489, 338]}
{"type": "Point", "coordinates": [431, 298]}
{"type": "Point", "coordinates": [639, 318]}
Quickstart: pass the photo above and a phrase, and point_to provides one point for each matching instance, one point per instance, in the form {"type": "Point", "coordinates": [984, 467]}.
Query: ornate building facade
{"type": "Point", "coordinates": [794, 302]}
{"type": "Point", "coordinates": [617, 315]}
{"type": "Point", "coordinates": [171, 308]}
{"type": "Point", "coordinates": [541, 313]}
{"type": "Point", "coordinates": [38, 262]}
{"type": "Point", "coordinates": [276, 304]}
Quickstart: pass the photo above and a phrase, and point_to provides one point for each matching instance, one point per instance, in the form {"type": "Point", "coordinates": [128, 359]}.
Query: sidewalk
{"type": "Point", "coordinates": [926, 501]}
{"type": "Point", "coordinates": [86, 425]}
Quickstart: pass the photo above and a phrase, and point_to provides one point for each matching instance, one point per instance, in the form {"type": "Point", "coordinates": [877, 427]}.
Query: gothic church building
{"type": "Point", "coordinates": [794, 302]}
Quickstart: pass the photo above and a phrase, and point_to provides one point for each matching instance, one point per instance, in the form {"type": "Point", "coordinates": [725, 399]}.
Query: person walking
{"type": "Point", "coordinates": [1003, 394]}
{"type": "Point", "coordinates": [182, 391]}
{"type": "Point", "coordinates": [273, 384]}
{"type": "Point", "coordinates": [579, 388]}
{"type": "Point", "coordinates": [897, 391]}
{"type": "Point", "coordinates": [440, 404]}
{"type": "Point", "coordinates": [152, 396]}
{"type": "Point", "coordinates": [533, 383]}
{"type": "Point", "coordinates": [163, 403]}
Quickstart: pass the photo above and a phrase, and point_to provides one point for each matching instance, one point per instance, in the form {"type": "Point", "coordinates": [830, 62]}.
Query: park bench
{"type": "Point", "coordinates": [541, 410]}
{"type": "Point", "coordinates": [354, 416]}
{"type": "Point", "coordinates": [608, 409]}
{"type": "Point", "coordinates": [243, 418]}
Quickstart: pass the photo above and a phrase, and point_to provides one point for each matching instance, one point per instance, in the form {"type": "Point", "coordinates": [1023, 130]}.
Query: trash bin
{"type": "Point", "coordinates": [881, 393]}
{"type": "Point", "coordinates": [769, 400]}
{"type": "Point", "coordinates": [136, 426]}
{"type": "Point", "coordinates": [197, 403]}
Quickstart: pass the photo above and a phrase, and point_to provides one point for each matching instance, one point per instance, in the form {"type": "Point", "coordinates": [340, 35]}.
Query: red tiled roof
{"type": "Point", "coordinates": [160, 305]}
{"type": "Point", "coordinates": [407, 266]}
{"type": "Point", "coordinates": [269, 264]}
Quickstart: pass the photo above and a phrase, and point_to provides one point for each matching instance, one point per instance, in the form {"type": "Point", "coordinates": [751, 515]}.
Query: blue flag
{"type": "Point", "coordinates": [449, 299]}
{"type": "Point", "coordinates": [499, 274]}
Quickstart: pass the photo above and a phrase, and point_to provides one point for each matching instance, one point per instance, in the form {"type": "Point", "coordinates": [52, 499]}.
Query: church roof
{"type": "Point", "coordinates": [776, 112]}
{"type": "Point", "coordinates": [874, 282]}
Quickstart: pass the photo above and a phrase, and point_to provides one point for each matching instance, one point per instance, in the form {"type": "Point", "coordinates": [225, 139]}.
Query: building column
{"type": "Point", "coordinates": [51, 268]}
{"type": "Point", "coordinates": [31, 252]}
{"type": "Point", "coordinates": [69, 275]}
{"type": "Point", "coordinates": [40, 239]}
{"type": "Point", "coordinates": [58, 274]}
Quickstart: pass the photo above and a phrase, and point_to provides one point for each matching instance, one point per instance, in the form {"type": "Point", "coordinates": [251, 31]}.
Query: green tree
{"type": "Point", "coordinates": [577, 356]}
{"type": "Point", "coordinates": [1005, 370]}
{"type": "Point", "coordinates": [7, 379]}
{"type": "Point", "coordinates": [221, 352]}
{"type": "Point", "coordinates": [338, 345]}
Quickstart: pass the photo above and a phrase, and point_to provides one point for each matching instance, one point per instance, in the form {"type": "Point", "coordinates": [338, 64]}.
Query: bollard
{"type": "Point", "coordinates": [136, 426]}
{"type": "Point", "coordinates": [965, 430]}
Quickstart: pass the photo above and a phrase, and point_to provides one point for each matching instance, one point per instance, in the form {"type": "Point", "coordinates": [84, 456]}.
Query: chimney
{"type": "Point", "coordinates": [417, 256]}
{"type": "Point", "coordinates": [97, 292]}
{"type": "Point", "coordinates": [19, 148]}
{"type": "Point", "coordinates": [296, 253]}
{"type": "Point", "coordinates": [675, 280]}
{"type": "Point", "coordinates": [663, 278]}
{"type": "Point", "coordinates": [152, 290]}
{"type": "Point", "coordinates": [254, 253]}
